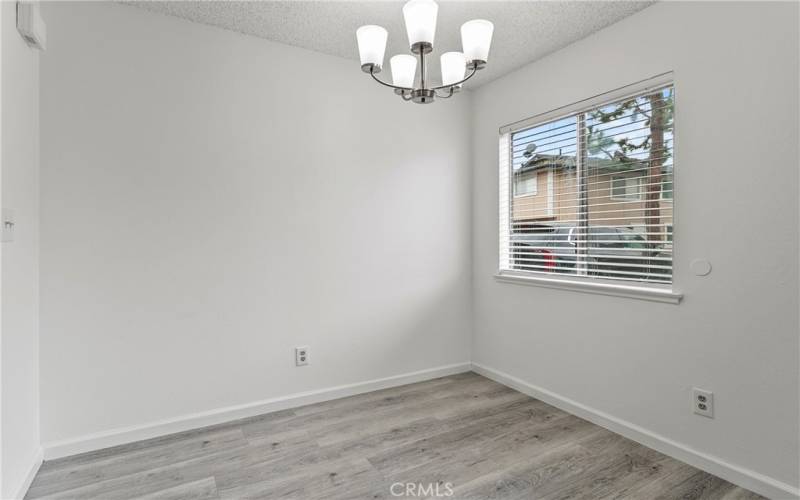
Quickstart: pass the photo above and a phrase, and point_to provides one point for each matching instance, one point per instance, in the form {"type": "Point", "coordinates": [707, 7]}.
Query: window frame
{"type": "Point", "coordinates": [657, 292]}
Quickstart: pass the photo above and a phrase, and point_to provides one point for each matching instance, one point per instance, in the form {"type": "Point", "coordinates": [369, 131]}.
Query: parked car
{"type": "Point", "coordinates": [612, 251]}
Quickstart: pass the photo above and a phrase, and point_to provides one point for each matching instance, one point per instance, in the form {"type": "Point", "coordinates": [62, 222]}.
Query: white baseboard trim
{"type": "Point", "coordinates": [124, 435]}
{"type": "Point", "coordinates": [35, 463]}
{"type": "Point", "coordinates": [754, 481]}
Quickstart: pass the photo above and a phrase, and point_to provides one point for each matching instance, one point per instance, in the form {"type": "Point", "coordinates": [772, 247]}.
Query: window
{"type": "Point", "coordinates": [609, 164]}
{"type": "Point", "coordinates": [525, 185]}
{"type": "Point", "coordinates": [626, 188]}
{"type": "Point", "coordinates": [666, 186]}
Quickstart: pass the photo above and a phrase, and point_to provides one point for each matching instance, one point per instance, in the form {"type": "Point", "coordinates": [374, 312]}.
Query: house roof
{"type": "Point", "coordinates": [566, 162]}
{"type": "Point", "coordinates": [538, 161]}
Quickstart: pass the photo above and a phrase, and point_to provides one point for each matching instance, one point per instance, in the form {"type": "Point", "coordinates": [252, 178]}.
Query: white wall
{"type": "Point", "coordinates": [19, 292]}
{"type": "Point", "coordinates": [736, 204]}
{"type": "Point", "coordinates": [211, 200]}
{"type": "Point", "coordinates": [201, 192]}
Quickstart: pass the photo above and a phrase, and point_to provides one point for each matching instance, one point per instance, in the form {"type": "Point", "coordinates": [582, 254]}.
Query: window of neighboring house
{"type": "Point", "coordinates": [625, 188]}
{"type": "Point", "coordinates": [615, 148]}
{"type": "Point", "coordinates": [666, 188]}
{"type": "Point", "coordinates": [525, 185]}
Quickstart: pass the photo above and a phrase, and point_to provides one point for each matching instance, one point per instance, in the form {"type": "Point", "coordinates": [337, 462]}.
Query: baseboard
{"type": "Point", "coordinates": [754, 481]}
{"type": "Point", "coordinates": [114, 437]}
{"type": "Point", "coordinates": [36, 462]}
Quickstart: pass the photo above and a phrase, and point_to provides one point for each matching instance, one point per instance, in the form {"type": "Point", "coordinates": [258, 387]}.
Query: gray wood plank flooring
{"type": "Point", "coordinates": [465, 435]}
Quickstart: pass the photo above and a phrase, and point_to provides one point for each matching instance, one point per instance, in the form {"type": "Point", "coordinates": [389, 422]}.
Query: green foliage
{"type": "Point", "coordinates": [654, 112]}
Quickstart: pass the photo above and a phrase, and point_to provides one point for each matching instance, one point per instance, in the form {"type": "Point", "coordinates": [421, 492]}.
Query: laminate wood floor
{"type": "Point", "coordinates": [464, 435]}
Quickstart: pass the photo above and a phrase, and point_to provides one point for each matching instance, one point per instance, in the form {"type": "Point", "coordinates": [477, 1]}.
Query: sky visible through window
{"type": "Point", "coordinates": [558, 138]}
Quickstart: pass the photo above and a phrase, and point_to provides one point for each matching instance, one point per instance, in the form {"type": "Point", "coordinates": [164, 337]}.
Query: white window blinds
{"type": "Point", "coordinates": [599, 191]}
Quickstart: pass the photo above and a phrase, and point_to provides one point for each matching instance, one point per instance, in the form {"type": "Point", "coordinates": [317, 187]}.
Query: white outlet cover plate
{"type": "Point", "coordinates": [697, 394]}
{"type": "Point", "coordinates": [301, 352]}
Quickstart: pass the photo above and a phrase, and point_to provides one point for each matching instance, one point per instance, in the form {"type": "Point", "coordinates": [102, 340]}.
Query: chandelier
{"type": "Point", "coordinates": [420, 19]}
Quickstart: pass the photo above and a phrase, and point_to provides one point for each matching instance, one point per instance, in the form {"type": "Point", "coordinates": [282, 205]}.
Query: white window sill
{"type": "Point", "coordinates": [651, 293]}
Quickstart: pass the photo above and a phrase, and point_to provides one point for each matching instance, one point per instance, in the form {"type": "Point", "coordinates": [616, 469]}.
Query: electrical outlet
{"type": "Point", "coordinates": [703, 402]}
{"type": "Point", "coordinates": [301, 356]}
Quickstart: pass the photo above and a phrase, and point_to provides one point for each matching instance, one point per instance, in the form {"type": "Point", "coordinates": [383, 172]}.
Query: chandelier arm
{"type": "Point", "coordinates": [474, 70]}
{"type": "Point", "coordinates": [445, 96]}
{"type": "Point", "coordinates": [372, 74]}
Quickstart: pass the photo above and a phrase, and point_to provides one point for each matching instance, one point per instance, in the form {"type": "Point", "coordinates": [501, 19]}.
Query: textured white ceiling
{"type": "Point", "coordinates": [524, 31]}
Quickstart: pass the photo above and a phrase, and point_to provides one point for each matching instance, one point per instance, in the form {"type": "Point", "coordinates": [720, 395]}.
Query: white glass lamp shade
{"type": "Point", "coordinates": [454, 66]}
{"type": "Point", "coordinates": [404, 68]}
{"type": "Point", "coordinates": [476, 38]}
{"type": "Point", "coordinates": [420, 17]}
{"type": "Point", "coordinates": [371, 44]}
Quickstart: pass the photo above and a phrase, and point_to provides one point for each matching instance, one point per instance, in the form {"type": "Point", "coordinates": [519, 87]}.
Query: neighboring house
{"type": "Point", "coordinates": [545, 192]}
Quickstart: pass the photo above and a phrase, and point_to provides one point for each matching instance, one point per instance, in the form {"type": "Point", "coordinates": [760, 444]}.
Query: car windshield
{"type": "Point", "coordinates": [633, 240]}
